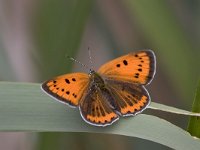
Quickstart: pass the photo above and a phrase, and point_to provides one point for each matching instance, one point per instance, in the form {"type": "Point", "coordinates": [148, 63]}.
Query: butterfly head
{"type": "Point", "coordinates": [91, 72]}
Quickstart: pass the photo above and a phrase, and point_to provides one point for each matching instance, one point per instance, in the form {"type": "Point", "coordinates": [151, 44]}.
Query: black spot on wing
{"type": "Point", "coordinates": [125, 62]}
{"type": "Point", "coordinates": [118, 65]}
{"type": "Point", "coordinates": [67, 81]}
{"type": "Point", "coordinates": [74, 95]}
{"type": "Point", "coordinates": [47, 89]}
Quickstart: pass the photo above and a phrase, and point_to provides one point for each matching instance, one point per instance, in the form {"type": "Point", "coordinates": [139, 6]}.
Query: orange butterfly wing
{"type": "Point", "coordinates": [129, 99]}
{"type": "Point", "coordinates": [116, 89]}
{"type": "Point", "coordinates": [96, 109]}
{"type": "Point", "coordinates": [125, 77]}
{"type": "Point", "coordinates": [134, 67]}
{"type": "Point", "coordinates": [68, 88]}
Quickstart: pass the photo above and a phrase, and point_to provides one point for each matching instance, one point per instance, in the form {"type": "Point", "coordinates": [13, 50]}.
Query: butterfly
{"type": "Point", "coordinates": [116, 89]}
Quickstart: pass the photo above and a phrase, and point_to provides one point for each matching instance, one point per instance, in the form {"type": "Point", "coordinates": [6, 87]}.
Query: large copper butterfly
{"type": "Point", "coordinates": [116, 89]}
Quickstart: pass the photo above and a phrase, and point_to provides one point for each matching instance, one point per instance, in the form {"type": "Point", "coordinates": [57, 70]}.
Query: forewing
{"type": "Point", "coordinates": [95, 108]}
{"type": "Point", "coordinates": [129, 99]}
{"type": "Point", "coordinates": [135, 67]}
{"type": "Point", "coordinates": [68, 88]}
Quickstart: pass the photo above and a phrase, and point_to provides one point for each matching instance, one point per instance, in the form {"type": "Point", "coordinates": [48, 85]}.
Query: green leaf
{"type": "Point", "coordinates": [170, 109]}
{"type": "Point", "coordinates": [194, 123]}
{"type": "Point", "coordinates": [24, 107]}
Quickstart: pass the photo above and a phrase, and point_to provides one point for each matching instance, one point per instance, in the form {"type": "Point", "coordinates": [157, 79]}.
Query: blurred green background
{"type": "Point", "coordinates": [36, 36]}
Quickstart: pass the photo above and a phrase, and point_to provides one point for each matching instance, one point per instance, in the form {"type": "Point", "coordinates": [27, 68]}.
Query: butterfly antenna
{"type": "Point", "coordinates": [90, 58]}
{"type": "Point", "coordinates": [73, 59]}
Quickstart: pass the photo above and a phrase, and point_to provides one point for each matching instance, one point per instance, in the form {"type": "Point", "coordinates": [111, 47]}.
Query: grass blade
{"type": "Point", "coordinates": [194, 123]}
{"type": "Point", "coordinates": [24, 107]}
{"type": "Point", "coordinates": [170, 109]}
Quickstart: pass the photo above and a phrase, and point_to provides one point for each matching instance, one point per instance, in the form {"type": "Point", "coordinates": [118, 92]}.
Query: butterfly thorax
{"type": "Point", "coordinates": [96, 80]}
